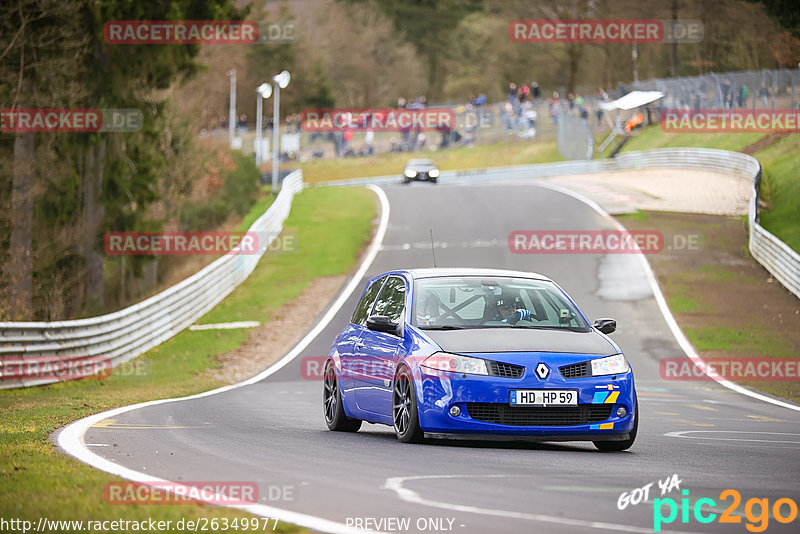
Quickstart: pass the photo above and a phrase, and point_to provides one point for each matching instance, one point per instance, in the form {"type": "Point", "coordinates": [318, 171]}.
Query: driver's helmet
{"type": "Point", "coordinates": [507, 303]}
{"type": "Point", "coordinates": [428, 308]}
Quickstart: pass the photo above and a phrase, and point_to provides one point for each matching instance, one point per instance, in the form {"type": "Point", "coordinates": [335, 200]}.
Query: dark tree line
{"type": "Point", "coordinates": [62, 191]}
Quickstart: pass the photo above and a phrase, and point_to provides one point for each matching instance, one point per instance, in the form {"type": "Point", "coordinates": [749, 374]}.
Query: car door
{"type": "Point", "coordinates": [381, 350]}
{"type": "Point", "coordinates": [349, 348]}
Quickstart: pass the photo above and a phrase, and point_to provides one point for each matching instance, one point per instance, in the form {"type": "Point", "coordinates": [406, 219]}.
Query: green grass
{"type": "Point", "coordinates": [681, 303]}
{"type": "Point", "coordinates": [781, 189]}
{"type": "Point", "coordinates": [717, 273]}
{"type": "Point", "coordinates": [781, 186]}
{"type": "Point", "coordinates": [37, 481]}
{"type": "Point", "coordinates": [476, 157]}
{"type": "Point", "coordinates": [654, 137]}
{"type": "Point", "coordinates": [638, 216]}
{"type": "Point", "coordinates": [747, 338]}
{"type": "Point", "coordinates": [264, 202]}
{"type": "Point", "coordinates": [780, 166]}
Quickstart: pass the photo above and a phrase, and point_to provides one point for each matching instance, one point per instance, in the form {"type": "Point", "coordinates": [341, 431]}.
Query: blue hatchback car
{"type": "Point", "coordinates": [482, 354]}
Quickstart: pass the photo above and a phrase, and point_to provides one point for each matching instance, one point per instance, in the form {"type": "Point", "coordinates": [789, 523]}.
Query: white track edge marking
{"type": "Point", "coordinates": [677, 333]}
{"type": "Point", "coordinates": [396, 484]}
{"type": "Point", "coordinates": [70, 438]}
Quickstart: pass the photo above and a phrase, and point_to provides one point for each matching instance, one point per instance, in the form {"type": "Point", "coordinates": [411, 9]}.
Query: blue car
{"type": "Point", "coordinates": [481, 354]}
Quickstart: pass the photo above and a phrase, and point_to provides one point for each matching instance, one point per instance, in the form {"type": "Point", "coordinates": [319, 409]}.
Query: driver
{"type": "Point", "coordinates": [428, 308]}
{"type": "Point", "coordinates": [510, 312]}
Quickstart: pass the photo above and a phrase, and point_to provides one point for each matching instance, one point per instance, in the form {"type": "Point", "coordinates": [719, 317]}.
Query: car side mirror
{"type": "Point", "coordinates": [606, 326]}
{"type": "Point", "coordinates": [381, 323]}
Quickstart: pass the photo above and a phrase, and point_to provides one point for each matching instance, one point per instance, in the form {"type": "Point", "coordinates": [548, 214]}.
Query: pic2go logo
{"type": "Point", "coordinates": [758, 521]}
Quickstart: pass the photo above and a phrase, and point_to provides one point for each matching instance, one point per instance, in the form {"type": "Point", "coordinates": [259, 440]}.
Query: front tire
{"type": "Point", "coordinates": [404, 409]}
{"type": "Point", "coordinates": [332, 405]}
{"type": "Point", "coordinates": [616, 446]}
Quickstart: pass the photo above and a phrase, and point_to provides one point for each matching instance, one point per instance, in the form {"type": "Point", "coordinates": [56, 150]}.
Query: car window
{"type": "Point", "coordinates": [365, 304]}
{"type": "Point", "coordinates": [391, 300]}
{"type": "Point", "coordinates": [476, 302]}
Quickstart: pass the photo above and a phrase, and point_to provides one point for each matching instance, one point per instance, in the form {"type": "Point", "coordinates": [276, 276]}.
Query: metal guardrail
{"type": "Point", "coordinates": [67, 349]}
{"type": "Point", "coordinates": [118, 337]}
{"type": "Point", "coordinates": [780, 260]}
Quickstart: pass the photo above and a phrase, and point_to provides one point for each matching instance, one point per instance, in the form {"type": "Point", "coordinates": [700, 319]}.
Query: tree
{"type": "Point", "coordinates": [784, 12]}
{"type": "Point", "coordinates": [428, 25]}
{"type": "Point", "coordinates": [39, 42]}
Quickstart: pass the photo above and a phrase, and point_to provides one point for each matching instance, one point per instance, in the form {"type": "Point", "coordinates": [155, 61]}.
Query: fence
{"type": "Point", "coordinates": [764, 89]}
{"type": "Point", "coordinates": [61, 347]}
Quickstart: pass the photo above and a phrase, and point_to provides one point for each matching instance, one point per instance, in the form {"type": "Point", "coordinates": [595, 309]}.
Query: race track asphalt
{"type": "Point", "coordinates": [273, 432]}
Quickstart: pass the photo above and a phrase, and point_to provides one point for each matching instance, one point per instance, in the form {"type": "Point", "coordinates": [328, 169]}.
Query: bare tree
{"type": "Point", "coordinates": [37, 47]}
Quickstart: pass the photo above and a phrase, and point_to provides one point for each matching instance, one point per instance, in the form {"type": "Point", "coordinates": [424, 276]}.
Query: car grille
{"type": "Point", "coordinates": [575, 370]}
{"type": "Point", "coordinates": [504, 414]}
{"type": "Point", "coordinates": [505, 370]}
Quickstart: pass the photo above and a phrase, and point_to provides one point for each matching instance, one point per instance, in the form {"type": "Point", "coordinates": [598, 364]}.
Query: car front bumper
{"type": "Point", "coordinates": [485, 409]}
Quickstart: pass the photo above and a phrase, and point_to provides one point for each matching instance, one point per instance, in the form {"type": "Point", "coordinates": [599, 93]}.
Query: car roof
{"type": "Point", "coordinates": [471, 271]}
{"type": "Point", "coordinates": [419, 162]}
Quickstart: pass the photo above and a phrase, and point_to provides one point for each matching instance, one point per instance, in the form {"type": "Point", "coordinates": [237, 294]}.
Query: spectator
{"type": "Point", "coordinates": [602, 96]}
{"type": "Point", "coordinates": [346, 149]}
{"type": "Point", "coordinates": [508, 117]}
{"type": "Point", "coordinates": [763, 92]}
{"type": "Point", "coordinates": [535, 91]}
{"type": "Point", "coordinates": [552, 106]}
{"type": "Point", "coordinates": [523, 93]}
{"type": "Point", "coordinates": [369, 139]}
{"type": "Point", "coordinates": [529, 119]}
{"type": "Point", "coordinates": [512, 92]}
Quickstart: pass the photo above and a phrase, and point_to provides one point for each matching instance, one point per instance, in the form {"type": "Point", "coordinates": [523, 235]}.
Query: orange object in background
{"type": "Point", "coordinates": [633, 122]}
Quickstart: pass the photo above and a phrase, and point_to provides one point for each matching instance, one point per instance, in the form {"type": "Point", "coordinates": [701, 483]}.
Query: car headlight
{"type": "Point", "coordinates": [455, 363]}
{"type": "Point", "coordinates": [611, 365]}
{"type": "Point", "coordinates": [409, 173]}
{"type": "Point", "coordinates": [433, 173]}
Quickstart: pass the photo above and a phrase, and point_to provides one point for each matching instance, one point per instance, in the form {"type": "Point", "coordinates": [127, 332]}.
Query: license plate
{"type": "Point", "coordinates": [540, 397]}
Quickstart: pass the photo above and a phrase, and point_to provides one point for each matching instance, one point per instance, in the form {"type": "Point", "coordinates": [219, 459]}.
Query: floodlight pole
{"type": "Point", "coordinates": [232, 108]}
{"type": "Point", "coordinates": [281, 81]}
{"type": "Point", "coordinates": [276, 104]}
{"type": "Point", "coordinates": [259, 100]}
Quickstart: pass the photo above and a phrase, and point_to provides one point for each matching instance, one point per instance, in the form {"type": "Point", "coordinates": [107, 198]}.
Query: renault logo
{"type": "Point", "coordinates": [542, 371]}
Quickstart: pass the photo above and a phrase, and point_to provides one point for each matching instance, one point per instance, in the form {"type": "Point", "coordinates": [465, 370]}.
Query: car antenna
{"type": "Point", "coordinates": [433, 252]}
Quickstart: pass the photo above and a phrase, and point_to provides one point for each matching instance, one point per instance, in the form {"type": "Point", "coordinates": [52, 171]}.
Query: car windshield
{"type": "Point", "coordinates": [420, 163]}
{"type": "Point", "coordinates": [445, 303]}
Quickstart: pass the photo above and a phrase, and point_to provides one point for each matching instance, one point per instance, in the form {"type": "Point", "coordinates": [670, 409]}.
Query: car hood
{"type": "Point", "coordinates": [484, 340]}
{"type": "Point", "coordinates": [421, 168]}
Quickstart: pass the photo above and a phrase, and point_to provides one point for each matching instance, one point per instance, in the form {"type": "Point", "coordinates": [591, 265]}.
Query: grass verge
{"type": "Point", "coordinates": [780, 165]}
{"type": "Point", "coordinates": [453, 159]}
{"type": "Point", "coordinates": [38, 481]}
{"type": "Point", "coordinates": [727, 304]}
{"type": "Point", "coordinates": [781, 187]}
